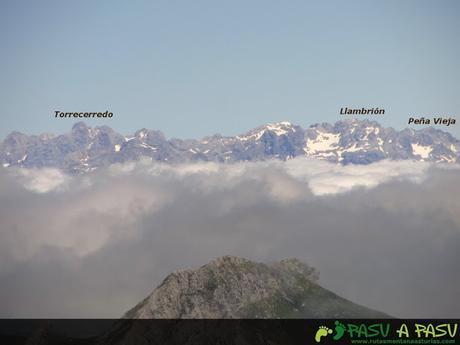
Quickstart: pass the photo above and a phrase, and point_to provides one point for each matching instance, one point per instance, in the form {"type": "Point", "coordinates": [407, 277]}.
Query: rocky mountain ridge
{"type": "Point", "coordinates": [231, 287]}
{"type": "Point", "coordinates": [346, 142]}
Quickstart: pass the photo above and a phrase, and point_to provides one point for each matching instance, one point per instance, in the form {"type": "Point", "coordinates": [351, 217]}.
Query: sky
{"type": "Point", "coordinates": [197, 68]}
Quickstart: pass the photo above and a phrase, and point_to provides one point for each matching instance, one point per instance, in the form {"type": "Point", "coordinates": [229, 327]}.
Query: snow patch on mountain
{"type": "Point", "coordinates": [324, 142]}
{"type": "Point", "coordinates": [421, 150]}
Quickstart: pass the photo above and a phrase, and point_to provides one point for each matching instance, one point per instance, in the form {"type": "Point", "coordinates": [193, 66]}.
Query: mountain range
{"type": "Point", "coordinates": [85, 149]}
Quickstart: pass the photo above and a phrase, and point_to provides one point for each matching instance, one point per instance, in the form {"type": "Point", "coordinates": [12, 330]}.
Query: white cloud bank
{"type": "Point", "coordinates": [321, 177]}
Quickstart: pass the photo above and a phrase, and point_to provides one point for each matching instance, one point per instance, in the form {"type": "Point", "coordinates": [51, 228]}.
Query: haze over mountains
{"type": "Point", "coordinates": [93, 245]}
{"type": "Point", "coordinates": [66, 239]}
{"type": "Point", "coordinates": [84, 149]}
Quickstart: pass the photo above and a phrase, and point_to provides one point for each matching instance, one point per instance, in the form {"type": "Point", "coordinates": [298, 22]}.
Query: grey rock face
{"type": "Point", "coordinates": [345, 142]}
{"type": "Point", "coordinates": [232, 287]}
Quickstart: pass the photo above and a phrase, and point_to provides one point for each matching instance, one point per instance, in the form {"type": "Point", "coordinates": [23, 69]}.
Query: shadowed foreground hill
{"type": "Point", "coordinates": [226, 288]}
{"type": "Point", "coordinates": [231, 287]}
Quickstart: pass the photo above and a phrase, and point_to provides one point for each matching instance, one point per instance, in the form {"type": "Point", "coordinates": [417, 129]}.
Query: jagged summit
{"type": "Point", "coordinates": [80, 125]}
{"type": "Point", "coordinates": [349, 141]}
{"type": "Point", "coordinates": [233, 287]}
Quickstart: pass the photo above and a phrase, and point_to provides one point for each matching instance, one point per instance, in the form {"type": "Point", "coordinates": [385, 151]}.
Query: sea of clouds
{"type": "Point", "coordinates": [385, 235]}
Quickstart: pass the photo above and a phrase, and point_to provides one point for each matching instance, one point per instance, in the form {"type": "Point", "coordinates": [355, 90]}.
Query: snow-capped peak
{"type": "Point", "coordinates": [278, 128]}
{"type": "Point", "coordinates": [345, 142]}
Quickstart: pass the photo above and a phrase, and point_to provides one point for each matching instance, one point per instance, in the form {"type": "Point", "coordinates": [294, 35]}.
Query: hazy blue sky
{"type": "Point", "coordinates": [192, 68]}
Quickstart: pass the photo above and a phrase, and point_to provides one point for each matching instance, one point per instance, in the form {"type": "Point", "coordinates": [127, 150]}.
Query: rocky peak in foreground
{"type": "Point", "coordinates": [232, 287]}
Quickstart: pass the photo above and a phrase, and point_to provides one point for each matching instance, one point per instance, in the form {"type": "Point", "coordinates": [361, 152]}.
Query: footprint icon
{"type": "Point", "coordinates": [322, 332]}
{"type": "Point", "coordinates": [339, 330]}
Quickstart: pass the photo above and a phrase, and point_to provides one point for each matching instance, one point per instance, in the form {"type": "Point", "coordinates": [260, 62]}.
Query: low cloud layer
{"type": "Point", "coordinates": [384, 235]}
